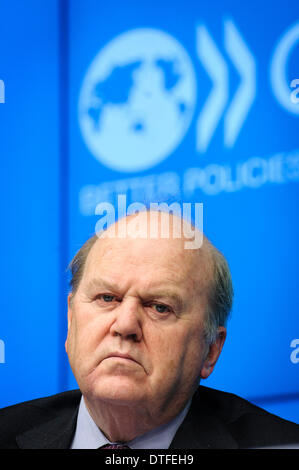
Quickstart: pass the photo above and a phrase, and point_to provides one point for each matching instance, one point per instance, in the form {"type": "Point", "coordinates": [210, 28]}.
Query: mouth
{"type": "Point", "coordinates": [125, 357]}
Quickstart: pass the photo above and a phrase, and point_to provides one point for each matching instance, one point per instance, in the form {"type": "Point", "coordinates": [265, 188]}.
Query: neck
{"type": "Point", "coordinates": [123, 423]}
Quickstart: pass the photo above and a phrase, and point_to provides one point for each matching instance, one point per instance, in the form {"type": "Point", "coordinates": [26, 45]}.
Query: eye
{"type": "Point", "coordinates": [161, 308]}
{"type": "Point", "coordinates": [108, 297]}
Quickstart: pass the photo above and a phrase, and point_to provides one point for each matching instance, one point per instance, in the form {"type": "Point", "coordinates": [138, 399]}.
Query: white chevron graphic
{"type": "Point", "coordinates": [214, 106]}
{"type": "Point", "coordinates": [217, 70]}
{"type": "Point", "coordinates": [244, 97]}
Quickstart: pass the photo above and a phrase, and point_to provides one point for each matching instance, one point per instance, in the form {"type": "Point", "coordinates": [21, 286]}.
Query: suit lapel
{"type": "Point", "coordinates": [56, 433]}
{"type": "Point", "coordinates": [202, 429]}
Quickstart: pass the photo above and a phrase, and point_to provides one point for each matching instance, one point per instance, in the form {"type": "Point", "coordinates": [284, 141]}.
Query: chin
{"type": "Point", "coordinates": [121, 390]}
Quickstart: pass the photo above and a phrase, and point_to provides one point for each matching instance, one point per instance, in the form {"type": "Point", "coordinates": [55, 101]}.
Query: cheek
{"type": "Point", "coordinates": [194, 351]}
{"type": "Point", "coordinates": [178, 354]}
{"type": "Point", "coordinates": [85, 336]}
{"type": "Point", "coordinates": [164, 346]}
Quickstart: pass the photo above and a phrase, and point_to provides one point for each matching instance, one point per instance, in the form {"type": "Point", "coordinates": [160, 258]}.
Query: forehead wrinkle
{"type": "Point", "coordinates": [101, 275]}
{"type": "Point", "coordinates": [138, 269]}
{"type": "Point", "coordinates": [100, 282]}
{"type": "Point", "coordinates": [196, 265]}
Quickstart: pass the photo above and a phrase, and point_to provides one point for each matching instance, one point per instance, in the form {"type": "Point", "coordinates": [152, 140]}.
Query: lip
{"type": "Point", "coordinates": [122, 356]}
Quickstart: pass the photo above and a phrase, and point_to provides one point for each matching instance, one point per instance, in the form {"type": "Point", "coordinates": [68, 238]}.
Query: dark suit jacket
{"type": "Point", "coordinates": [216, 420]}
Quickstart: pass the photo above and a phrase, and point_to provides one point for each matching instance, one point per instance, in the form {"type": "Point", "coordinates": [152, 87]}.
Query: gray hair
{"type": "Point", "coordinates": [220, 296]}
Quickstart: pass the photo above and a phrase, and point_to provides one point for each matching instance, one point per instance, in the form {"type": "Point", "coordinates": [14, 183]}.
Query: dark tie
{"type": "Point", "coordinates": [114, 446]}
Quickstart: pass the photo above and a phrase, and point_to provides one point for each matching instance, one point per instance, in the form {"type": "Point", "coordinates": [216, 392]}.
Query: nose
{"type": "Point", "coordinates": [127, 323]}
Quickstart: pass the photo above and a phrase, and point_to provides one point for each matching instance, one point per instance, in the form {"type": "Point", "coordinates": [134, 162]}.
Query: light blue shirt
{"type": "Point", "coordinates": [89, 436]}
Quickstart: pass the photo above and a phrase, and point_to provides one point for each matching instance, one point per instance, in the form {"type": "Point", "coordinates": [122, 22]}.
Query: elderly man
{"type": "Point", "coordinates": [146, 322]}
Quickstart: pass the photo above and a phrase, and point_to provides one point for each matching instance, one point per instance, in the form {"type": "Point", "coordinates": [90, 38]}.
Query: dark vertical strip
{"type": "Point", "coordinates": [63, 221]}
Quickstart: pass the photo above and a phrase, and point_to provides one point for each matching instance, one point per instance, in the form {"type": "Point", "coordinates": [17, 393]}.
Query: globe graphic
{"type": "Point", "coordinates": [137, 100]}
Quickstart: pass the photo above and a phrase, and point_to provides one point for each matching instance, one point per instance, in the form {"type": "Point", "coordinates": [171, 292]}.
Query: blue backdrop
{"type": "Point", "coordinates": [172, 101]}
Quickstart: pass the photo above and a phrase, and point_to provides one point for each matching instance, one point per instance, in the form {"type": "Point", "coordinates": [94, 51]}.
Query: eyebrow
{"type": "Point", "coordinates": [96, 283]}
{"type": "Point", "coordinates": [158, 293]}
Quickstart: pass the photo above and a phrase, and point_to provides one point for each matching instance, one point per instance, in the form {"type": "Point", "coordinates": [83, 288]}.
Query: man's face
{"type": "Point", "coordinates": [136, 323]}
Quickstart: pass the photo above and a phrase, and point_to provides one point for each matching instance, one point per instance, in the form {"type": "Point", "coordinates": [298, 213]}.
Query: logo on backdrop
{"type": "Point", "coordinates": [137, 102]}
{"type": "Point", "coordinates": [139, 94]}
{"type": "Point", "coordinates": [217, 69]}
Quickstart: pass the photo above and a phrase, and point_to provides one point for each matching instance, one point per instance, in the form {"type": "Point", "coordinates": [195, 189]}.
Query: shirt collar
{"type": "Point", "coordinates": [89, 436]}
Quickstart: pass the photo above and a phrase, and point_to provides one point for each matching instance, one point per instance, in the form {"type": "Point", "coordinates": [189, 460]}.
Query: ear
{"type": "Point", "coordinates": [213, 353]}
{"type": "Point", "coordinates": [69, 317]}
